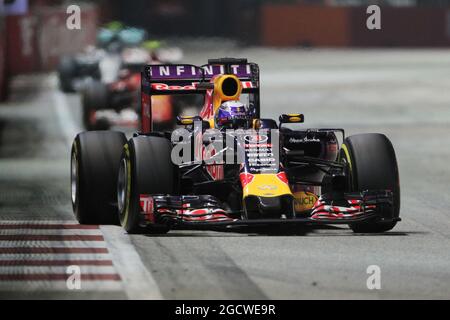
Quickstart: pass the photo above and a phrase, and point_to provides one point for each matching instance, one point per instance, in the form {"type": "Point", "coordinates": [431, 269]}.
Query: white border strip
{"type": "Point", "coordinates": [68, 127]}
{"type": "Point", "coordinates": [138, 281]}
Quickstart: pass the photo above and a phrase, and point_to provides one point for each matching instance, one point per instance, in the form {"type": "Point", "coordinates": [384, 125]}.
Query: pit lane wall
{"type": "Point", "coordinates": [284, 25]}
{"type": "Point", "coordinates": [37, 38]}
{"type": "Point", "coordinates": [3, 75]}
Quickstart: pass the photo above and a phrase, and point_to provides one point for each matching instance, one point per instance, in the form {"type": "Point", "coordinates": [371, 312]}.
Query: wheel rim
{"type": "Point", "coordinates": [122, 185]}
{"type": "Point", "coordinates": [74, 178]}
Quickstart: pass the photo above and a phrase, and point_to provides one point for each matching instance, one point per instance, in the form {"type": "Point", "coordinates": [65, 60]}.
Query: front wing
{"type": "Point", "coordinates": [207, 212]}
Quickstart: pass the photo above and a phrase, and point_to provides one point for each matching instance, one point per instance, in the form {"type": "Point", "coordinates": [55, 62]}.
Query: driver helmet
{"type": "Point", "coordinates": [232, 114]}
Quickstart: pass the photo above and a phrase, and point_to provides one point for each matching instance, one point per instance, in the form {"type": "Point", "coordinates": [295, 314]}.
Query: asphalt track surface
{"type": "Point", "coordinates": [404, 94]}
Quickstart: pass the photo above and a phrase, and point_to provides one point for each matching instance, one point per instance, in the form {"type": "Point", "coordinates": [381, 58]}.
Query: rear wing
{"type": "Point", "coordinates": [176, 79]}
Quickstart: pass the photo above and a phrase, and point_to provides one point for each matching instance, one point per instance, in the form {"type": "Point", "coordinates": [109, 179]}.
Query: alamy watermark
{"type": "Point", "coordinates": [374, 280]}
{"type": "Point", "coordinates": [73, 21]}
{"type": "Point", "coordinates": [213, 147]}
{"type": "Point", "coordinates": [73, 281]}
{"type": "Point", "coordinates": [373, 22]}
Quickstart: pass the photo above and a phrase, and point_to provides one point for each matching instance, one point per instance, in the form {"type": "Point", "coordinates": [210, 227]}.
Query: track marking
{"type": "Point", "coordinates": [4, 225]}
{"type": "Point", "coordinates": [53, 244]}
{"type": "Point", "coordinates": [138, 281]}
{"type": "Point", "coordinates": [55, 257]}
{"type": "Point", "coordinates": [52, 286]}
{"type": "Point", "coordinates": [50, 237]}
{"type": "Point", "coordinates": [41, 260]}
{"type": "Point", "coordinates": [53, 269]}
{"type": "Point", "coordinates": [51, 232]}
{"type": "Point", "coordinates": [50, 262]}
{"type": "Point", "coordinates": [57, 277]}
{"type": "Point", "coordinates": [51, 250]}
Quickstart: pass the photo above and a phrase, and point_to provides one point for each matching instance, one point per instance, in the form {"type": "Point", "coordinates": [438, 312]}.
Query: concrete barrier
{"type": "Point", "coordinates": [3, 75]}
{"type": "Point", "coordinates": [293, 25]}
{"type": "Point", "coordinates": [54, 39]}
{"type": "Point", "coordinates": [321, 26]}
{"type": "Point", "coordinates": [37, 39]}
{"type": "Point", "coordinates": [403, 27]}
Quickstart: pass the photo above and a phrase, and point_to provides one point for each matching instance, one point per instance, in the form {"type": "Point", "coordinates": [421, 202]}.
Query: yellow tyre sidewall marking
{"type": "Point", "coordinates": [75, 152]}
{"type": "Point", "coordinates": [128, 190]}
{"type": "Point", "coordinates": [347, 156]}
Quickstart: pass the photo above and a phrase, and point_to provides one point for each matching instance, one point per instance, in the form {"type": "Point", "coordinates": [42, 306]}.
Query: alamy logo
{"type": "Point", "coordinates": [374, 280]}
{"type": "Point", "coordinates": [374, 20]}
{"type": "Point", "coordinates": [74, 280]}
{"type": "Point", "coordinates": [212, 146]}
{"type": "Point", "coordinates": [73, 21]}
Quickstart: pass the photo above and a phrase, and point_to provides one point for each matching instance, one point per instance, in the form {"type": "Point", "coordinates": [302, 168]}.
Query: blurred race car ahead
{"type": "Point", "coordinates": [228, 167]}
{"type": "Point", "coordinates": [99, 63]}
{"type": "Point", "coordinates": [116, 104]}
{"type": "Point", "coordinates": [103, 62]}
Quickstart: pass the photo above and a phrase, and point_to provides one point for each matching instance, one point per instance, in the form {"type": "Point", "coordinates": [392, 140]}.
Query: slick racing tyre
{"type": "Point", "coordinates": [94, 166]}
{"type": "Point", "coordinates": [145, 168]}
{"type": "Point", "coordinates": [373, 166]}
{"type": "Point", "coordinates": [95, 97]}
{"type": "Point", "coordinates": [67, 69]}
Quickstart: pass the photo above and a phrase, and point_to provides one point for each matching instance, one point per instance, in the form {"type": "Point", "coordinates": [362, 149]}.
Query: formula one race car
{"type": "Point", "coordinates": [99, 63]}
{"type": "Point", "coordinates": [228, 167]}
{"type": "Point", "coordinates": [105, 105]}
{"type": "Point", "coordinates": [117, 104]}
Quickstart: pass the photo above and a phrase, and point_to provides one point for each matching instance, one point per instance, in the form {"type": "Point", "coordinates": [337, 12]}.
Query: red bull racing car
{"type": "Point", "coordinates": [229, 167]}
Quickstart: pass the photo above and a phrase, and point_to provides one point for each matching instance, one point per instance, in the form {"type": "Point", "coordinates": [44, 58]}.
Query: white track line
{"type": "Point", "coordinates": [60, 232]}
{"type": "Point", "coordinates": [68, 127]}
{"type": "Point", "coordinates": [41, 222]}
{"type": "Point", "coordinates": [52, 244]}
{"type": "Point", "coordinates": [59, 286]}
{"type": "Point", "coordinates": [54, 256]}
{"type": "Point", "coordinates": [138, 281]}
{"type": "Point", "coordinates": [55, 269]}
{"type": "Point", "coordinates": [44, 222]}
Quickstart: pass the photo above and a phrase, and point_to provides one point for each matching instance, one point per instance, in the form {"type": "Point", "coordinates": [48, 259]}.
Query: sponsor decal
{"type": "Point", "coordinates": [267, 187]}
{"type": "Point", "coordinates": [303, 140]}
{"type": "Point", "coordinates": [304, 200]}
{"type": "Point", "coordinates": [193, 72]}
{"type": "Point", "coordinates": [193, 86]}
{"type": "Point", "coordinates": [164, 86]}
{"type": "Point", "coordinates": [256, 138]}
{"type": "Point", "coordinates": [147, 207]}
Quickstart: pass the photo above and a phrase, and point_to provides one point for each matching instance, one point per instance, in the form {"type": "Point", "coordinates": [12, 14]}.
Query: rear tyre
{"type": "Point", "coordinates": [95, 159]}
{"type": "Point", "coordinates": [145, 168]}
{"type": "Point", "coordinates": [66, 73]}
{"type": "Point", "coordinates": [373, 165]}
{"type": "Point", "coordinates": [95, 97]}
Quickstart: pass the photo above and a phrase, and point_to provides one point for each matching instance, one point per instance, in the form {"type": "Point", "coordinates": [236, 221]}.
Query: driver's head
{"type": "Point", "coordinates": [232, 114]}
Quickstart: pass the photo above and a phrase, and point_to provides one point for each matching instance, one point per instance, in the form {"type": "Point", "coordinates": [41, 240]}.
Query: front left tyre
{"type": "Point", "coordinates": [145, 168]}
{"type": "Point", "coordinates": [95, 160]}
{"type": "Point", "coordinates": [372, 165]}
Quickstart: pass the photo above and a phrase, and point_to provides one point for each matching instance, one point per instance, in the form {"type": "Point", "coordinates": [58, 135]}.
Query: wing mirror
{"type": "Point", "coordinates": [292, 118]}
